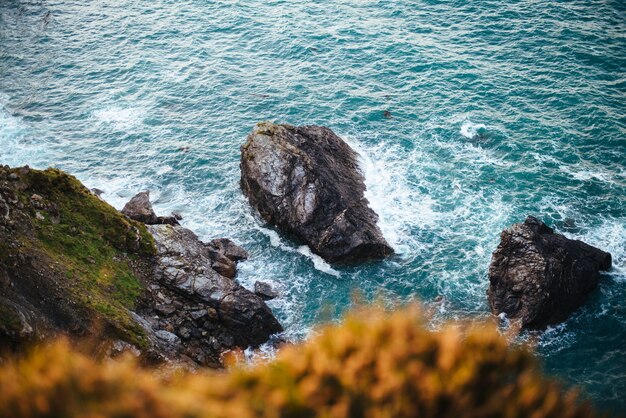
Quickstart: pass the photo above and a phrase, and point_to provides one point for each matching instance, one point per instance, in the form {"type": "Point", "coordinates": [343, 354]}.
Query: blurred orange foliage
{"type": "Point", "coordinates": [375, 364]}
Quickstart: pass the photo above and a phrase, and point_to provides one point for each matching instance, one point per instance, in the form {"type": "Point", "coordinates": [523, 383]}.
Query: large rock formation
{"type": "Point", "coordinates": [71, 264]}
{"type": "Point", "coordinates": [539, 277]}
{"type": "Point", "coordinates": [306, 181]}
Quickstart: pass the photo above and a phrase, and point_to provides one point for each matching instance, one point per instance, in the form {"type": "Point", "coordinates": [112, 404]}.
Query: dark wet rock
{"type": "Point", "coordinates": [185, 265]}
{"type": "Point", "coordinates": [225, 254]}
{"type": "Point", "coordinates": [229, 249]}
{"type": "Point", "coordinates": [307, 182]}
{"type": "Point", "coordinates": [540, 277]}
{"type": "Point", "coordinates": [140, 209]}
{"type": "Point", "coordinates": [265, 291]}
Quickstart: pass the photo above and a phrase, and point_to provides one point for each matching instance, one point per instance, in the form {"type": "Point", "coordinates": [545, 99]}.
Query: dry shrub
{"type": "Point", "coordinates": [374, 364]}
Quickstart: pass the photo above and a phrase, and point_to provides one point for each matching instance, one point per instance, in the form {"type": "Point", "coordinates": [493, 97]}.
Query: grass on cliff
{"type": "Point", "coordinates": [373, 365]}
{"type": "Point", "coordinates": [94, 244]}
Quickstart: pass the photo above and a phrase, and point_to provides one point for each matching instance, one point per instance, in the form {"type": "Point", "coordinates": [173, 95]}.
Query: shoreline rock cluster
{"type": "Point", "coordinates": [197, 299]}
{"type": "Point", "coordinates": [131, 281]}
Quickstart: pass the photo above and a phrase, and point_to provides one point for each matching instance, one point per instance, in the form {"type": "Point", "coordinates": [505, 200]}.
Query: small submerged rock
{"type": "Point", "coordinates": [539, 277]}
{"type": "Point", "coordinates": [306, 181]}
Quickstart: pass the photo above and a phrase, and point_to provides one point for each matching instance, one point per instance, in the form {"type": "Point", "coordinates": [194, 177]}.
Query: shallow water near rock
{"type": "Point", "coordinates": [496, 111]}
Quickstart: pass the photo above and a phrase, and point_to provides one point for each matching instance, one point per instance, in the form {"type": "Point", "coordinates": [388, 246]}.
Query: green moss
{"type": "Point", "coordinates": [266, 128]}
{"type": "Point", "coordinates": [94, 244]}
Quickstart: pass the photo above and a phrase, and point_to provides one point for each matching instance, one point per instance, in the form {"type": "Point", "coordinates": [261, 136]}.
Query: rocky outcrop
{"type": "Point", "coordinates": [199, 304]}
{"type": "Point", "coordinates": [539, 277]}
{"type": "Point", "coordinates": [306, 181]}
{"type": "Point", "coordinates": [68, 261]}
{"type": "Point", "coordinates": [140, 209]}
{"type": "Point", "coordinates": [71, 264]}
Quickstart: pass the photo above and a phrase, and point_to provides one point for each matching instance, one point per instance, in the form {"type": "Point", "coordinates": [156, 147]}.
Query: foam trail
{"type": "Point", "coordinates": [318, 262]}
{"type": "Point", "coordinates": [396, 202]}
{"type": "Point", "coordinates": [120, 117]}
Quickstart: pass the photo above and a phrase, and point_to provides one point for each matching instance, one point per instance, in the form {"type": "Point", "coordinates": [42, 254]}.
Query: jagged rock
{"type": "Point", "coordinates": [225, 255]}
{"type": "Point", "coordinates": [165, 309]}
{"type": "Point", "coordinates": [184, 263]}
{"type": "Point", "coordinates": [140, 209]}
{"type": "Point", "coordinates": [229, 249]}
{"type": "Point", "coordinates": [539, 277]}
{"type": "Point", "coordinates": [264, 291]}
{"type": "Point", "coordinates": [306, 181]}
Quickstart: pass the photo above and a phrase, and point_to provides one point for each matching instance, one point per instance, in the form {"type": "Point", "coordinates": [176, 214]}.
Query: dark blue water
{"type": "Point", "coordinates": [499, 110]}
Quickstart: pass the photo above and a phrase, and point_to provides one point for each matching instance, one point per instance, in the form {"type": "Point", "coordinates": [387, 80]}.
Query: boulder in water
{"type": "Point", "coordinates": [540, 277]}
{"type": "Point", "coordinates": [306, 181]}
{"type": "Point", "coordinates": [140, 209]}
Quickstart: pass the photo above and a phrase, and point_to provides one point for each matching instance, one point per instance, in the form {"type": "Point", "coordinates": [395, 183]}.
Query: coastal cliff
{"type": "Point", "coordinates": [71, 264]}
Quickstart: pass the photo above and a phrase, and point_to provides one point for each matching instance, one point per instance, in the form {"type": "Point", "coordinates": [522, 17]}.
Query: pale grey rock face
{"type": "Point", "coordinates": [306, 181]}
{"type": "Point", "coordinates": [539, 277]}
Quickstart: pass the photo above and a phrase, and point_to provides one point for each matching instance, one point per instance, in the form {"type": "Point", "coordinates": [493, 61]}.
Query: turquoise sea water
{"type": "Point", "coordinates": [499, 110]}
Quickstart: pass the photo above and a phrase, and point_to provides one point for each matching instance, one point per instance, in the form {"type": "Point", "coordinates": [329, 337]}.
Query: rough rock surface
{"type": "Point", "coordinates": [140, 209]}
{"type": "Point", "coordinates": [540, 277]}
{"type": "Point", "coordinates": [265, 291]}
{"type": "Point", "coordinates": [306, 181]}
{"type": "Point", "coordinates": [215, 307]}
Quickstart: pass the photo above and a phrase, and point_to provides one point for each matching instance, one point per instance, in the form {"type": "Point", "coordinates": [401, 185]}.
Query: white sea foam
{"type": "Point", "coordinates": [10, 126]}
{"type": "Point", "coordinates": [15, 149]}
{"type": "Point", "coordinates": [120, 117]}
{"type": "Point", "coordinates": [317, 261]}
{"type": "Point", "coordinates": [398, 204]}
{"type": "Point", "coordinates": [471, 130]}
{"type": "Point", "coordinates": [586, 173]}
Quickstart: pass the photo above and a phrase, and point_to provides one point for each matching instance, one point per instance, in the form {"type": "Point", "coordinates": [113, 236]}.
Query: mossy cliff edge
{"type": "Point", "coordinates": [70, 263]}
{"type": "Point", "coordinates": [67, 258]}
